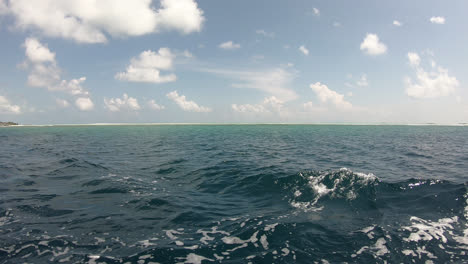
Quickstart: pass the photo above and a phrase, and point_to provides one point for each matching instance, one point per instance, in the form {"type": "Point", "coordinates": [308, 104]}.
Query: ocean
{"type": "Point", "coordinates": [234, 194]}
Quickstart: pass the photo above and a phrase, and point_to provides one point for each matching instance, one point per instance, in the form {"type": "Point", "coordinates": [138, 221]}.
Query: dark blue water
{"type": "Point", "coordinates": [234, 194]}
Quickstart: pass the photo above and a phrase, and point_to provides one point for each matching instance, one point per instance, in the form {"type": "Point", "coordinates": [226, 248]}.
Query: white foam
{"type": "Point", "coordinates": [264, 242]}
{"type": "Point", "coordinates": [379, 248]}
{"type": "Point", "coordinates": [146, 243]}
{"type": "Point", "coordinates": [270, 227]}
{"type": "Point", "coordinates": [99, 240]}
{"type": "Point", "coordinates": [179, 243]}
{"type": "Point", "coordinates": [195, 259]}
{"type": "Point", "coordinates": [236, 240]}
{"type": "Point", "coordinates": [344, 176]}
{"type": "Point", "coordinates": [238, 247]}
{"type": "Point", "coordinates": [368, 231]}
{"type": "Point", "coordinates": [145, 257]}
{"type": "Point", "coordinates": [192, 247]}
{"type": "Point", "coordinates": [218, 257]}
{"type": "Point", "coordinates": [171, 234]}
{"type": "Point", "coordinates": [409, 252]}
{"type": "Point", "coordinates": [285, 252]}
{"type": "Point", "coordinates": [206, 237]}
{"type": "Point", "coordinates": [422, 250]}
{"type": "Point", "coordinates": [427, 230]}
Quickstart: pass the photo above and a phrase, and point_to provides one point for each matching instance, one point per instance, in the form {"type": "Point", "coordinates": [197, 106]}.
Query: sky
{"type": "Point", "coordinates": [243, 61]}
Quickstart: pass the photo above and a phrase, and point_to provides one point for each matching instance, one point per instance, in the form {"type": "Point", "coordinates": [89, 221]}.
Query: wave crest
{"type": "Point", "coordinates": [340, 184]}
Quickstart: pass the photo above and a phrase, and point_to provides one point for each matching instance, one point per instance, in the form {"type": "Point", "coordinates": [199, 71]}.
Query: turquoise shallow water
{"type": "Point", "coordinates": [233, 194]}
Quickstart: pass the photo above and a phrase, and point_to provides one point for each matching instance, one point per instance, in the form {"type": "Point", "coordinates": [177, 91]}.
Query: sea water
{"type": "Point", "coordinates": [233, 194]}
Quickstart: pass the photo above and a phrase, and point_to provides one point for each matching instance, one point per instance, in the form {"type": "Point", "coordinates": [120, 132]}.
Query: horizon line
{"type": "Point", "coordinates": [188, 123]}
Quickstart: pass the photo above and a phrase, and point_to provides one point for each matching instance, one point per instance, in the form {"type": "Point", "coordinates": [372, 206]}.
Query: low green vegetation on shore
{"type": "Point", "coordinates": [8, 124]}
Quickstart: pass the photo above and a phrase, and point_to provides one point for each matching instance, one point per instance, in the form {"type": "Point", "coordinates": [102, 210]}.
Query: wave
{"type": "Point", "coordinates": [325, 216]}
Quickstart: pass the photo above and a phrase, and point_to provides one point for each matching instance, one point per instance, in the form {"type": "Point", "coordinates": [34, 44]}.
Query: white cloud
{"type": "Point", "coordinates": [181, 15]}
{"type": "Point", "coordinates": [73, 86]}
{"type": "Point", "coordinates": [325, 95]}
{"type": "Point", "coordinates": [437, 20]}
{"type": "Point", "coordinates": [397, 23]}
{"type": "Point", "coordinates": [316, 11]}
{"type": "Point", "coordinates": [308, 106]}
{"type": "Point", "coordinates": [153, 105]}
{"type": "Point", "coordinates": [8, 108]}
{"type": "Point", "coordinates": [336, 24]}
{"type": "Point", "coordinates": [275, 81]}
{"type": "Point", "coordinates": [147, 67]}
{"type": "Point", "coordinates": [304, 50]}
{"type": "Point", "coordinates": [363, 82]}
{"type": "Point", "coordinates": [414, 59]}
{"type": "Point", "coordinates": [3, 7]}
{"type": "Point", "coordinates": [372, 45]}
{"type": "Point", "coordinates": [37, 52]}
{"type": "Point", "coordinates": [229, 45]}
{"type": "Point", "coordinates": [248, 108]}
{"type": "Point", "coordinates": [90, 21]}
{"type": "Point", "coordinates": [186, 105]}
{"type": "Point", "coordinates": [62, 103]}
{"type": "Point", "coordinates": [84, 104]}
{"type": "Point", "coordinates": [265, 34]}
{"type": "Point", "coordinates": [44, 71]}
{"type": "Point", "coordinates": [126, 103]}
{"type": "Point", "coordinates": [187, 54]}
{"type": "Point", "coordinates": [269, 104]}
{"type": "Point", "coordinates": [433, 84]}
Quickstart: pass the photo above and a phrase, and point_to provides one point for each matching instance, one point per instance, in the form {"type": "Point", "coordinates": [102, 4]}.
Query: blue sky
{"type": "Point", "coordinates": [233, 61]}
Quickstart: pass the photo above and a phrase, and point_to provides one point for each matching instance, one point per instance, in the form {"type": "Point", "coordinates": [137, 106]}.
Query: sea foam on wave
{"type": "Point", "coordinates": [340, 184]}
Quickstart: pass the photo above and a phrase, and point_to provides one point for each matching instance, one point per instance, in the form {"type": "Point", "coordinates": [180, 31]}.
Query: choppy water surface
{"type": "Point", "coordinates": [233, 194]}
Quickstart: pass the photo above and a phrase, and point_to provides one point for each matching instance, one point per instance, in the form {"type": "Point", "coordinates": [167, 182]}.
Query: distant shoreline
{"type": "Point", "coordinates": [8, 124]}
{"type": "Point", "coordinates": [236, 124]}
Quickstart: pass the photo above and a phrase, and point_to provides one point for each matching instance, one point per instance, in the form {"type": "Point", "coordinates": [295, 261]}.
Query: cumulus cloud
{"type": "Point", "coordinates": [147, 67]}
{"type": "Point", "coordinates": [437, 20]}
{"type": "Point", "coordinates": [37, 52]}
{"type": "Point", "coordinates": [397, 23]}
{"type": "Point", "coordinates": [304, 50]}
{"type": "Point", "coordinates": [325, 95]}
{"type": "Point", "coordinates": [229, 45]}
{"type": "Point", "coordinates": [265, 34]}
{"type": "Point", "coordinates": [44, 71]}
{"type": "Point", "coordinates": [372, 45]}
{"type": "Point", "coordinates": [181, 15]}
{"type": "Point", "coordinates": [120, 104]}
{"type": "Point", "coordinates": [429, 84]}
{"type": "Point", "coordinates": [316, 11]}
{"type": "Point", "coordinates": [84, 104]}
{"type": "Point", "coordinates": [6, 107]}
{"type": "Point", "coordinates": [186, 105]}
{"type": "Point", "coordinates": [274, 81]}
{"type": "Point", "coordinates": [154, 106]}
{"type": "Point", "coordinates": [62, 103]}
{"type": "Point", "coordinates": [90, 21]}
{"type": "Point", "coordinates": [308, 106]}
{"type": "Point", "coordinates": [269, 104]}
{"type": "Point", "coordinates": [414, 59]}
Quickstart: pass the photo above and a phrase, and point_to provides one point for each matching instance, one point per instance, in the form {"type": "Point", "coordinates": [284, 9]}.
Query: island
{"type": "Point", "coordinates": [3, 124]}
